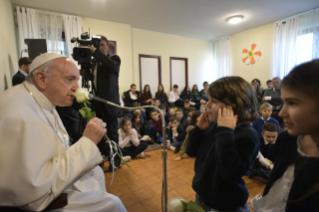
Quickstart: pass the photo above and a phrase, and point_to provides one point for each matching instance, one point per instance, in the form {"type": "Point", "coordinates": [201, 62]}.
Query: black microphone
{"type": "Point", "coordinates": [74, 39]}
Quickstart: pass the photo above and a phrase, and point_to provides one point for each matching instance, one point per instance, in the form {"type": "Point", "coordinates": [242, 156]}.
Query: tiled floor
{"type": "Point", "coordinates": [140, 186]}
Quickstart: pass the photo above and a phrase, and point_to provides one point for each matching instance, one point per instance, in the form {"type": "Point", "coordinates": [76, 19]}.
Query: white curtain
{"type": "Point", "coordinates": [50, 26]}
{"type": "Point", "coordinates": [296, 40]}
{"type": "Point", "coordinates": [27, 26]}
{"type": "Point", "coordinates": [221, 57]}
{"type": "Point", "coordinates": [73, 28]}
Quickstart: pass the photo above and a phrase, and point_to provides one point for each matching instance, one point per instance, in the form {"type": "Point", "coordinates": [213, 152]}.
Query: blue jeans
{"type": "Point", "coordinates": [177, 143]}
{"type": "Point", "coordinates": [198, 200]}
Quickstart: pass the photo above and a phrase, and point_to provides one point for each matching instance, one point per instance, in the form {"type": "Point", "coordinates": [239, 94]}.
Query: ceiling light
{"type": "Point", "coordinates": [235, 19]}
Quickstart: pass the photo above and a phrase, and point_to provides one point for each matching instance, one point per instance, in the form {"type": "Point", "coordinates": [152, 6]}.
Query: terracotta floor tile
{"type": "Point", "coordinates": [157, 187]}
{"type": "Point", "coordinates": [185, 190]}
{"type": "Point", "coordinates": [150, 180]}
{"type": "Point", "coordinates": [119, 190]}
{"type": "Point", "coordinates": [190, 198]}
{"type": "Point", "coordinates": [136, 208]}
{"type": "Point", "coordinates": [144, 193]}
{"type": "Point", "coordinates": [129, 199]}
{"type": "Point", "coordinates": [117, 181]}
{"type": "Point", "coordinates": [129, 177]}
{"type": "Point", "coordinates": [175, 182]}
{"type": "Point", "coordinates": [143, 172]}
{"type": "Point", "coordinates": [152, 204]}
{"type": "Point", "coordinates": [136, 185]}
{"type": "Point", "coordinates": [172, 193]}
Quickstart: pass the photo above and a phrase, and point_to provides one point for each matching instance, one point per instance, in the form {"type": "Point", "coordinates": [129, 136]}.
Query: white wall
{"type": "Point", "coordinates": [8, 48]}
{"type": "Point", "coordinates": [262, 69]}
{"type": "Point", "coordinates": [198, 52]}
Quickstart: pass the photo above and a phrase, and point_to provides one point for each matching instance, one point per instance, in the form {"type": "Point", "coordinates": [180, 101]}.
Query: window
{"type": "Point", "coordinates": [61, 48]}
{"type": "Point", "coordinates": [304, 46]}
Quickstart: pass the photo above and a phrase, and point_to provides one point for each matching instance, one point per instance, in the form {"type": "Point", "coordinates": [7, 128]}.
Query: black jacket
{"type": "Point", "coordinates": [186, 94]}
{"type": "Point", "coordinates": [163, 99]}
{"type": "Point", "coordinates": [223, 156]}
{"type": "Point", "coordinates": [18, 78]}
{"type": "Point", "coordinates": [180, 131]}
{"type": "Point", "coordinates": [306, 174]}
{"type": "Point", "coordinates": [127, 98]}
{"type": "Point", "coordinates": [107, 80]}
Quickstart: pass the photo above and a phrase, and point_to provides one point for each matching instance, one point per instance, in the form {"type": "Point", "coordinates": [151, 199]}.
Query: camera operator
{"type": "Point", "coordinates": [105, 85]}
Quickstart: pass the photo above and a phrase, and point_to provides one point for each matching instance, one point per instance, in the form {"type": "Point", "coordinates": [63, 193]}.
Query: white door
{"type": "Point", "coordinates": [149, 70]}
{"type": "Point", "coordinates": [178, 68]}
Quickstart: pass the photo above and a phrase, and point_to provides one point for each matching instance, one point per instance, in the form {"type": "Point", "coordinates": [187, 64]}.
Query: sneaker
{"type": "Point", "coordinates": [141, 155]}
{"type": "Point", "coordinates": [176, 150]}
{"type": "Point", "coordinates": [254, 200]}
{"type": "Point", "coordinates": [127, 158]}
{"type": "Point", "coordinates": [172, 148]}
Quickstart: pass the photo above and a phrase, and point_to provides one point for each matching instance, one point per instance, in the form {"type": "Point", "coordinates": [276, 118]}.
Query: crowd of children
{"type": "Point", "coordinates": [231, 129]}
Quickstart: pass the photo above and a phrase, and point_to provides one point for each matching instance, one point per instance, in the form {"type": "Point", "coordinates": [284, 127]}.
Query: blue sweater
{"type": "Point", "coordinates": [223, 156]}
{"type": "Point", "coordinates": [258, 125]}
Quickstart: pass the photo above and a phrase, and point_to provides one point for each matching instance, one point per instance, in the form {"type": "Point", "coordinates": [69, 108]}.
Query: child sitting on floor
{"type": "Point", "coordinates": [192, 124]}
{"type": "Point", "coordinates": [140, 128]}
{"type": "Point", "coordinates": [175, 135]}
{"type": "Point", "coordinates": [265, 111]}
{"type": "Point", "coordinates": [129, 143]}
{"type": "Point", "coordinates": [263, 166]}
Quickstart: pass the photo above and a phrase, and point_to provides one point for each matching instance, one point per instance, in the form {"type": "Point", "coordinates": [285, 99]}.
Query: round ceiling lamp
{"type": "Point", "coordinates": [235, 19]}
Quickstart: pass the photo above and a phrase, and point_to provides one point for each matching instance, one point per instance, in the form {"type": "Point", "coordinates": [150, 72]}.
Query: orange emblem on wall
{"type": "Point", "coordinates": [252, 55]}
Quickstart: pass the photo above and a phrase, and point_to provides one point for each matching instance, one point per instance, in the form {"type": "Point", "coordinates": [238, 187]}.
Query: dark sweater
{"type": "Point", "coordinates": [163, 98]}
{"type": "Point", "coordinates": [157, 124]}
{"type": "Point", "coordinates": [223, 156]}
{"type": "Point", "coordinates": [180, 131]}
{"type": "Point", "coordinates": [306, 174]}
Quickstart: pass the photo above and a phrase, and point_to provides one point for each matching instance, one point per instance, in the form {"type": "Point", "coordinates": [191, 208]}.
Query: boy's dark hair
{"type": "Point", "coordinates": [186, 101]}
{"type": "Point", "coordinates": [271, 127]}
{"type": "Point", "coordinates": [304, 78]}
{"type": "Point", "coordinates": [124, 120]}
{"type": "Point", "coordinates": [190, 109]}
{"type": "Point", "coordinates": [175, 86]}
{"type": "Point", "coordinates": [105, 39]}
{"type": "Point", "coordinates": [205, 83]}
{"type": "Point", "coordinates": [24, 61]}
{"type": "Point", "coordinates": [194, 117]}
{"type": "Point", "coordinates": [237, 93]}
{"type": "Point", "coordinates": [152, 111]}
{"type": "Point", "coordinates": [133, 85]}
{"type": "Point", "coordinates": [268, 81]}
{"type": "Point", "coordinates": [173, 118]}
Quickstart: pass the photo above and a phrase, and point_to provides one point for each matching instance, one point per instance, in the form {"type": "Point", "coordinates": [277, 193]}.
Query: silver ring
{"type": "Point", "coordinates": [103, 124]}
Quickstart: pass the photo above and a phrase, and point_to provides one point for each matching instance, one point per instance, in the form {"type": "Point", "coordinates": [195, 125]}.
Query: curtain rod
{"type": "Point", "coordinates": [292, 17]}
{"type": "Point", "coordinates": [42, 10]}
{"type": "Point", "coordinates": [227, 36]}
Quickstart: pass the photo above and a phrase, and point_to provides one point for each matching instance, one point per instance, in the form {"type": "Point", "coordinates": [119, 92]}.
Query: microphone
{"type": "Point", "coordinates": [74, 39]}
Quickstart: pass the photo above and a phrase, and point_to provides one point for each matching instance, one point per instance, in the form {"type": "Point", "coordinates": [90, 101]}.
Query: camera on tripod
{"type": "Point", "coordinates": [83, 55]}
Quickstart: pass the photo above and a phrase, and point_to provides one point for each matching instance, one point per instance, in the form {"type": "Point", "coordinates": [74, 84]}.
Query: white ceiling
{"type": "Point", "coordinates": [199, 19]}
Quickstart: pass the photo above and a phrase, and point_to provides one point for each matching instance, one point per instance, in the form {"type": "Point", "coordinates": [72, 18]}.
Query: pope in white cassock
{"type": "Point", "coordinates": [36, 162]}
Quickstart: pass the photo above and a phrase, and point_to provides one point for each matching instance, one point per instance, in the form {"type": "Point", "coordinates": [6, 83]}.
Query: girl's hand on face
{"type": "Point", "coordinates": [226, 118]}
{"type": "Point", "coordinates": [203, 122]}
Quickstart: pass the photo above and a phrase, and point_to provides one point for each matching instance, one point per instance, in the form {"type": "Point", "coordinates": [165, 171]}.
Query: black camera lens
{"type": "Point", "coordinates": [83, 53]}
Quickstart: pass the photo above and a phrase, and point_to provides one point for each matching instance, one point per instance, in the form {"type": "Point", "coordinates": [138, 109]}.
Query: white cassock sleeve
{"type": "Point", "coordinates": [34, 164]}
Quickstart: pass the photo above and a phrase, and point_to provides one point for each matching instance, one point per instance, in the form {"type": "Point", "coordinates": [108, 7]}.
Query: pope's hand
{"type": "Point", "coordinates": [95, 130]}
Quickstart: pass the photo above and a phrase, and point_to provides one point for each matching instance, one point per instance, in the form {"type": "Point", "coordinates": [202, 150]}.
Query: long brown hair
{"type": "Point", "coordinates": [237, 93]}
{"type": "Point", "coordinates": [147, 94]}
{"type": "Point", "coordinates": [160, 93]}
